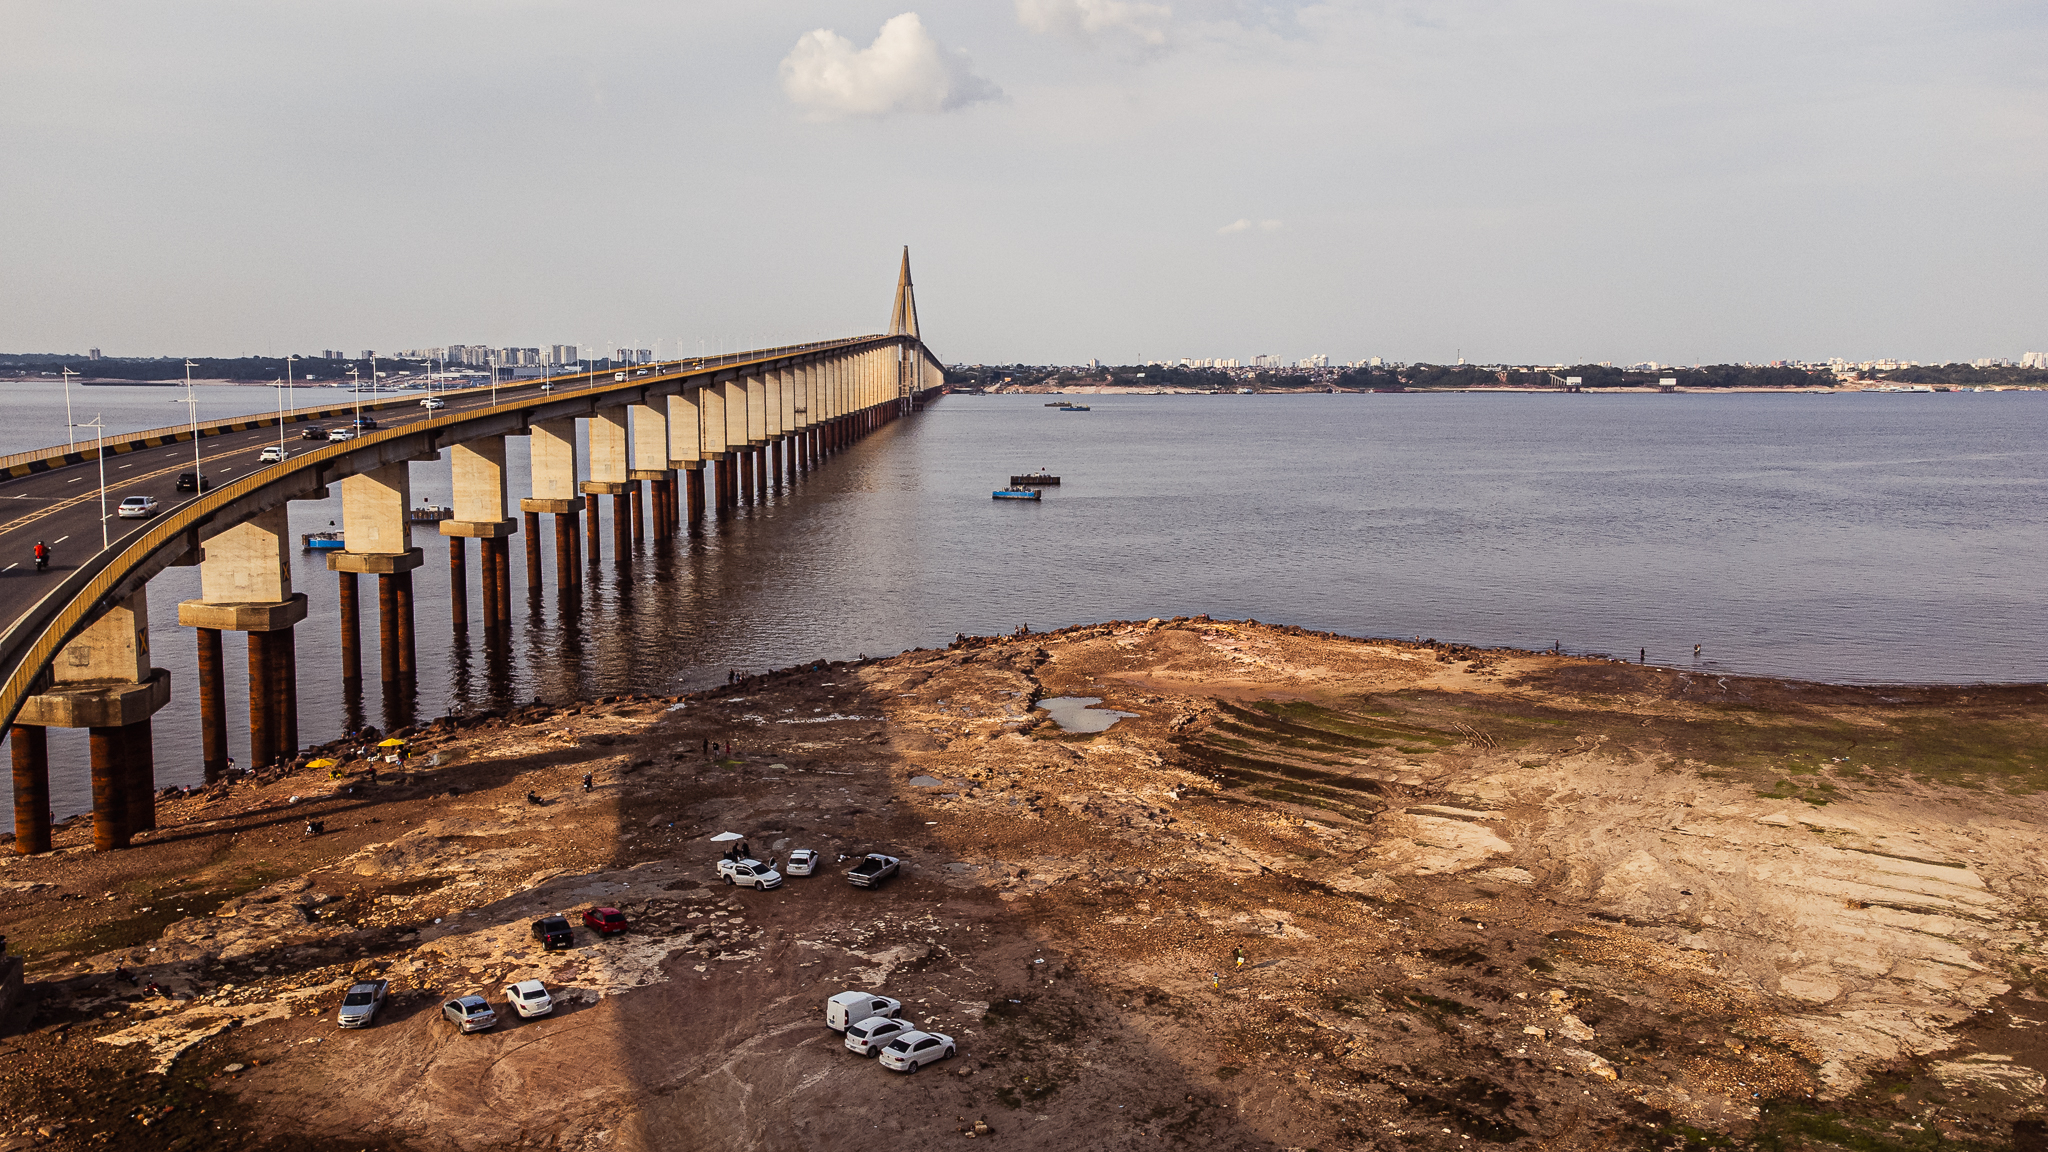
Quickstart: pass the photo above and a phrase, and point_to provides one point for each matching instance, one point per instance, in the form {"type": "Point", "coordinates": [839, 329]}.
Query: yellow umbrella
{"type": "Point", "coordinates": [323, 762]}
{"type": "Point", "coordinates": [394, 742]}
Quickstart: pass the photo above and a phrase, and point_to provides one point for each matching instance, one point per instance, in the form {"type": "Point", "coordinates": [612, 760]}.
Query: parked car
{"type": "Point", "coordinates": [872, 870]}
{"type": "Point", "coordinates": [849, 1008]}
{"type": "Point", "coordinates": [273, 454]}
{"type": "Point", "coordinates": [750, 874]}
{"type": "Point", "coordinates": [529, 998]}
{"type": "Point", "coordinates": [137, 508]}
{"type": "Point", "coordinates": [193, 482]}
{"type": "Point", "coordinates": [913, 1050]}
{"type": "Point", "coordinates": [604, 921]}
{"type": "Point", "coordinates": [341, 434]}
{"type": "Point", "coordinates": [469, 1013]}
{"type": "Point", "coordinates": [433, 402]}
{"type": "Point", "coordinates": [867, 1037]}
{"type": "Point", "coordinates": [360, 1003]}
{"type": "Point", "coordinates": [554, 932]}
{"type": "Point", "coordinates": [802, 862]}
{"type": "Point", "coordinates": [313, 432]}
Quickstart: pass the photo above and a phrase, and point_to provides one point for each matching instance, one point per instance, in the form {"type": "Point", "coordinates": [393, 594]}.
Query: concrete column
{"type": "Point", "coordinates": [31, 745]}
{"type": "Point", "coordinates": [566, 574]}
{"type": "Point", "coordinates": [693, 479]}
{"type": "Point", "coordinates": [488, 583]}
{"type": "Point", "coordinates": [744, 458]}
{"type": "Point", "coordinates": [771, 404]}
{"type": "Point", "coordinates": [138, 763]}
{"type": "Point", "coordinates": [622, 526]}
{"type": "Point", "coordinates": [532, 551]}
{"type": "Point", "coordinates": [593, 529]}
{"type": "Point", "coordinates": [483, 511]}
{"type": "Point", "coordinates": [387, 626]}
{"type": "Point", "coordinates": [351, 629]}
{"type": "Point", "coordinates": [712, 420]}
{"type": "Point", "coordinates": [757, 409]}
{"type": "Point", "coordinates": [458, 582]}
{"type": "Point", "coordinates": [761, 471]}
{"type": "Point", "coordinates": [787, 395]}
{"type": "Point", "coordinates": [213, 706]}
{"type": "Point", "coordinates": [263, 734]}
{"type": "Point", "coordinates": [636, 494]}
{"type": "Point", "coordinates": [408, 657]}
{"type": "Point", "coordinates": [610, 467]}
{"type": "Point", "coordinates": [775, 454]}
{"type": "Point", "coordinates": [109, 794]}
{"type": "Point", "coordinates": [650, 466]}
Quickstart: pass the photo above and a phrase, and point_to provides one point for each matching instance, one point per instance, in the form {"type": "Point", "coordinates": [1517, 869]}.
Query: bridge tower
{"type": "Point", "coordinates": [903, 322]}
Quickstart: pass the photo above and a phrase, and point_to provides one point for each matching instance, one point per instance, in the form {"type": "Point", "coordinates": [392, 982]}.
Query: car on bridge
{"type": "Point", "coordinates": [137, 508]}
{"type": "Point", "coordinates": [272, 454]}
{"type": "Point", "coordinates": [313, 432]}
{"type": "Point", "coordinates": [193, 482]}
{"type": "Point", "coordinates": [433, 402]}
{"type": "Point", "coordinates": [341, 434]}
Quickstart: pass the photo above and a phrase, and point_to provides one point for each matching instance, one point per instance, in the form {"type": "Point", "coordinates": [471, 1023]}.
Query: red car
{"type": "Point", "coordinates": [604, 921]}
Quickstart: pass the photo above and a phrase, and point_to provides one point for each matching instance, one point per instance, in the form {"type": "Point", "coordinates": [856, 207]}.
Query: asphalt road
{"type": "Point", "coordinates": [61, 507]}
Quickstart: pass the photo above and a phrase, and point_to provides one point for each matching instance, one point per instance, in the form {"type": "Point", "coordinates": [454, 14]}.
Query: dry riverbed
{"type": "Point", "coordinates": [1307, 892]}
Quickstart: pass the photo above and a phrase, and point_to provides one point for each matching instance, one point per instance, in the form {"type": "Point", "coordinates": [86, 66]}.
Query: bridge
{"type": "Point", "coordinates": [665, 443]}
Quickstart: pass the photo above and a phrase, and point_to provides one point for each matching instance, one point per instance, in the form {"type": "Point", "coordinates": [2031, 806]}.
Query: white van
{"type": "Point", "coordinates": [849, 1008]}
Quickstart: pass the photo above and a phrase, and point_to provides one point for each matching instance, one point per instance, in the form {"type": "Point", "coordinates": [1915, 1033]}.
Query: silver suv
{"type": "Point", "coordinates": [359, 1006]}
{"type": "Point", "coordinates": [469, 1013]}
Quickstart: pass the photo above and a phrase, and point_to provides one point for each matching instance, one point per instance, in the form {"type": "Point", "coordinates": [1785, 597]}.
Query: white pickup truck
{"type": "Point", "coordinates": [750, 874]}
{"type": "Point", "coordinates": [872, 870]}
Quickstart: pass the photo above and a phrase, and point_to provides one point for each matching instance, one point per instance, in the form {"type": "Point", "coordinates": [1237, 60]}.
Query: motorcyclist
{"type": "Point", "coordinates": [42, 556]}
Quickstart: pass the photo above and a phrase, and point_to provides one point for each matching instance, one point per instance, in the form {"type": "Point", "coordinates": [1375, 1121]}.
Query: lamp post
{"type": "Point", "coordinates": [101, 424]}
{"type": "Point", "coordinates": [282, 406]}
{"type": "Point", "coordinates": [192, 407]}
{"type": "Point", "coordinates": [355, 375]}
{"type": "Point", "coordinates": [70, 437]}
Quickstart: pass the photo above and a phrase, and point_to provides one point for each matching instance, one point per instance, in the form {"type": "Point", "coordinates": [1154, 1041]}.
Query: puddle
{"type": "Point", "coordinates": [1074, 714]}
{"type": "Point", "coordinates": [926, 781]}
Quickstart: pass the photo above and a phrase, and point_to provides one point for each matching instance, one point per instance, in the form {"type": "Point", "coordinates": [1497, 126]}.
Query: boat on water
{"type": "Point", "coordinates": [1040, 479]}
{"type": "Point", "coordinates": [322, 541]}
{"type": "Point", "coordinates": [1073, 408]}
{"type": "Point", "coordinates": [1017, 494]}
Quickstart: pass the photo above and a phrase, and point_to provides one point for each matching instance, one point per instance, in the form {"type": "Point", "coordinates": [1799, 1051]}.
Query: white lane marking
{"type": "Point", "coordinates": [74, 479]}
{"type": "Point", "coordinates": [61, 539]}
{"type": "Point", "coordinates": [11, 567]}
{"type": "Point", "coordinates": [127, 465]}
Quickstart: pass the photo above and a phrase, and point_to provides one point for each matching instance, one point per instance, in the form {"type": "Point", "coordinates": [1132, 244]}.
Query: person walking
{"type": "Point", "coordinates": [1239, 950]}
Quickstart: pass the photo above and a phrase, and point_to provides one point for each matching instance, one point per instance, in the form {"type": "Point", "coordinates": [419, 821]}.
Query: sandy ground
{"type": "Point", "coordinates": [1307, 892]}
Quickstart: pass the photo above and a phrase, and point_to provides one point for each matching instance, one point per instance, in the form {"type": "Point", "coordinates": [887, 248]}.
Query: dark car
{"type": "Point", "coordinates": [554, 932]}
{"type": "Point", "coordinates": [313, 432]}
{"type": "Point", "coordinates": [366, 424]}
{"type": "Point", "coordinates": [193, 482]}
{"type": "Point", "coordinates": [604, 921]}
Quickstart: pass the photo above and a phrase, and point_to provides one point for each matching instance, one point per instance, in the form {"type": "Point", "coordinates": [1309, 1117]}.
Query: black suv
{"type": "Point", "coordinates": [193, 482]}
{"type": "Point", "coordinates": [313, 432]}
{"type": "Point", "coordinates": [554, 932]}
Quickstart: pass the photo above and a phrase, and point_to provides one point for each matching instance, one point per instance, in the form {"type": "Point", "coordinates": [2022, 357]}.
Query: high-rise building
{"type": "Point", "coordinates": [92, 354]}
{"type": "Point", "coordinates": [2034, 360]}
{"type": "Point", "coordinates": [559, 354]}
{"type": "Point", "coordinates": [1313, 362]}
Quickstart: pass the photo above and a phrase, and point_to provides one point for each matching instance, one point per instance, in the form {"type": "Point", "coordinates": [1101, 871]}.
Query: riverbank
{"type": "Point", "coordinates": [1491, 896]}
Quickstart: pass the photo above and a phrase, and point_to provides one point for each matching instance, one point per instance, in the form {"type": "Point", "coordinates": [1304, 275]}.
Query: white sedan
{"type": "Point", "coordinates": [272, 455]}
{"type": "Point", "coordinates": [529, 998]}
{"type": "Point", "coordinates": [433, 402]}
{"type": "Point", "coordinates": [136, 508]}
{"type": "Point", "coordinates": [867, 1037]}
{"type": "Point", "coordinates": [913, 1050]}
{"type": "Point", "coordinates": [802, 862]}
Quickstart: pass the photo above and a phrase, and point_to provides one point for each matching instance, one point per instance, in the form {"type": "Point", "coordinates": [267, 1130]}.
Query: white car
{"type": "Point", "coordinates": [867, 1037]}
{"type": "Point", "coordinates": [529, 998]}
{"type": "Point", "coordinates": [137, 508]}
{"type": "Point", "coordinates": [433, 402]}
{"type": "Point", "coordinates": [802, 862]}
{"type": "Point", "coordinates": [341, 434]}
{"type": "Point", "coordinates": [750, 874]}
{"type": "Point", "coordinates": [849, 1008]}
{"type": "Point", "coordinates": [272, 455]}
{"type": "Point", "coordinates": [913, 1050]}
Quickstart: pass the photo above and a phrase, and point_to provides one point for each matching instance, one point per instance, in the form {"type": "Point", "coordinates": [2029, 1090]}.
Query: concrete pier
{"type": "Point", "coordinates": [458, 582]}
{"type": "Point", "coordinates": [102, 681]}
{"type": "Point", "coordinates": [245, 585]}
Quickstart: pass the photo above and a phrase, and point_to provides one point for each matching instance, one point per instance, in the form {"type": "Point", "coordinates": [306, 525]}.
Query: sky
{"type": "Point", "coordinates": [1524, 182]}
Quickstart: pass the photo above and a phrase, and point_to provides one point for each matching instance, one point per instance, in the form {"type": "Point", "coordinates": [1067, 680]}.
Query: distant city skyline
{"type": "Point", "coordinates": [1568, 182]}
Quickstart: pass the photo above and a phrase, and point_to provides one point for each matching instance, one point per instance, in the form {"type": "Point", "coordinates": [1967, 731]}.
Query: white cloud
{"type": "Point", "coordinates": [1236, 226]}
{"type": "Point", "coordinates": [1147, 22]}
{"type": "Point", "coordinates": [904, 70]}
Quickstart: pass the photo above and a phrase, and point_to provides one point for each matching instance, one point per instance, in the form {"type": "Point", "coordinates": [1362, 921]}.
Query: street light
{"type": "Point", "coordinates": [288, 387]}
{"type": "Point", "coordinates": [101, 424]}
{"type": "Point", "coordinates": [70, 437]}
{"type": "Point", "coordinates": [192, 406]}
